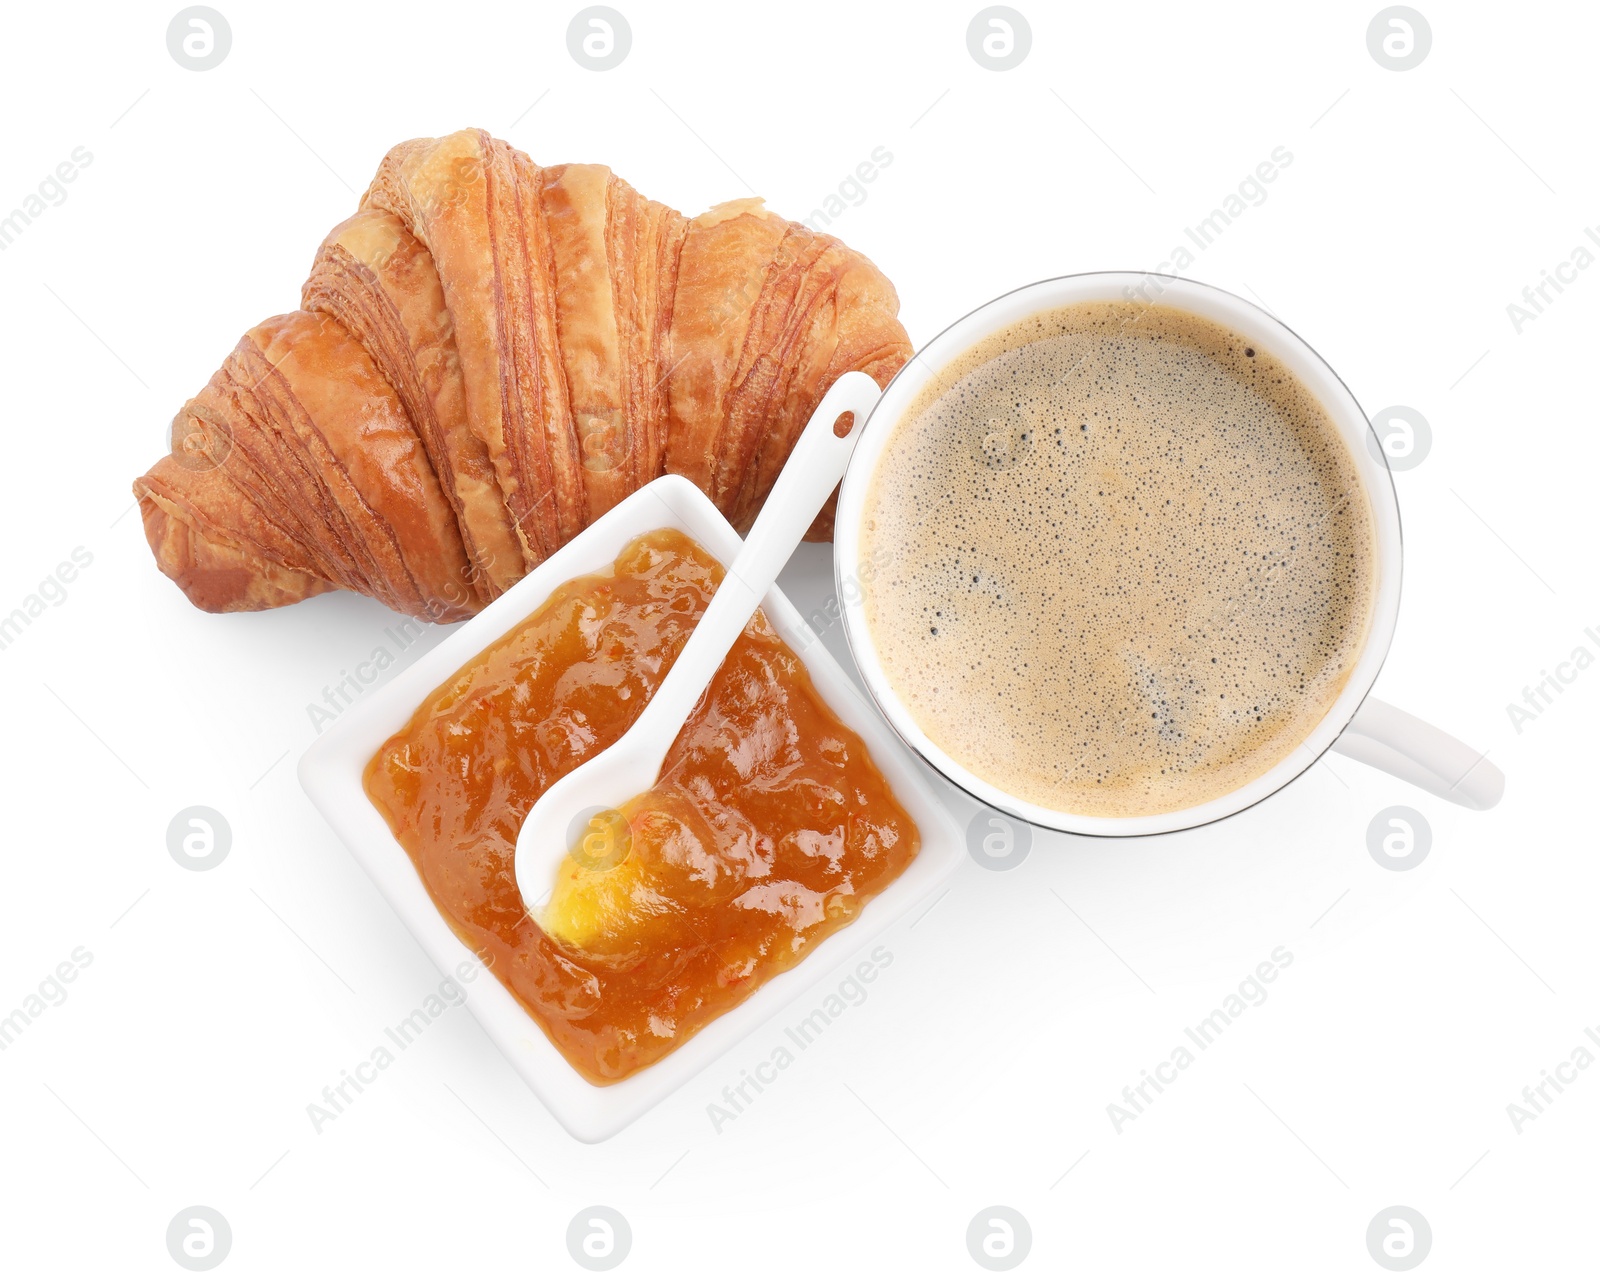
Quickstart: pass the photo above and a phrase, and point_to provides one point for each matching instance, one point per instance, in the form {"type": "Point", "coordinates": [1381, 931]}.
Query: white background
{"type": "Point", "coordinates": [219, 1004]}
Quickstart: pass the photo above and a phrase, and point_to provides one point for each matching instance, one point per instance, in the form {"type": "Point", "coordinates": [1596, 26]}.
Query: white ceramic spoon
{"type": "Point", "coordinates": [583, 804]}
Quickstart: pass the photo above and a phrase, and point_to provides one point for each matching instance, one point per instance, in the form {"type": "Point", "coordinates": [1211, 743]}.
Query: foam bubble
{"type": "Point", "coordinates": [1130, 561]}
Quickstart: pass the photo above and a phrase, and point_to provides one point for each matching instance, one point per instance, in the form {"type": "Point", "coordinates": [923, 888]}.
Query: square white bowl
{"type": "Point", "coordinates": [331, 773]}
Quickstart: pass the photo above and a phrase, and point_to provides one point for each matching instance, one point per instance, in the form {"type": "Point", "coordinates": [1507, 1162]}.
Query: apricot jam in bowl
{"type": "Point", "coordinates": [789, 827]}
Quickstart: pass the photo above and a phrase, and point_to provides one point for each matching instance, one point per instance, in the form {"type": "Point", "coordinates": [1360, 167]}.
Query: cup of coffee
{"type": "Point", "coordinates": [1118, 554]}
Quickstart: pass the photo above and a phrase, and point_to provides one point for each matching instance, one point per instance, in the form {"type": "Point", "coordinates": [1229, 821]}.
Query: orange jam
{"type": "Point", "coordinates": [769, 828]}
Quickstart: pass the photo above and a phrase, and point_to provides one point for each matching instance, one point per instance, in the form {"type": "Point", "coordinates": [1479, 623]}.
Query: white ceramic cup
{"type": "Point", "coordinates": [1357, 724]}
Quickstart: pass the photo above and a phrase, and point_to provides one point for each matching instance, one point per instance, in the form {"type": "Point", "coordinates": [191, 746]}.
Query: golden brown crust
{"type": "Point", "coordinates": [758, 351]}
{"type": "Point", "coordinates": [215, 575]}
{"type": "Point", "coordinates": [473, 201]}
{"type": "Point", "coordinates": [604, 247]}
{"type": "Point", "coordinates": [491, 356]}
{"type": "Point", "coordinates": [298, 453]}
{"type": "Point", "coordinates": [379, 281]}
{"type": "Point", "coordinates": [385, 498]}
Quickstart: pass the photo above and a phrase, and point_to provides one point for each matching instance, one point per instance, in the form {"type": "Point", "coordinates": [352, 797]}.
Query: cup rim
{"type": "Point", "coordinates": [1250, 321]}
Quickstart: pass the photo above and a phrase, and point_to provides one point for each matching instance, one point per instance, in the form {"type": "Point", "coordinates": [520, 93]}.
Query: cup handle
{"type": "Point", "coordinates": [1389, 739]}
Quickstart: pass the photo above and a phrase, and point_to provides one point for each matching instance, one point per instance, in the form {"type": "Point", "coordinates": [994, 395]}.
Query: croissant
{"type": "Point", "coordinates": [488, 356]}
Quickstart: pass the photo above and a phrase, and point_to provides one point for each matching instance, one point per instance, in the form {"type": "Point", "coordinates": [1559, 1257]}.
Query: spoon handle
{"type": "Point", "coordinates": [813, 470]}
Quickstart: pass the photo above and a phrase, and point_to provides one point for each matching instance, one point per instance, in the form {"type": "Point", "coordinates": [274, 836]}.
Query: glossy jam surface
{"type": "Point", "coordinates": [769, 828]}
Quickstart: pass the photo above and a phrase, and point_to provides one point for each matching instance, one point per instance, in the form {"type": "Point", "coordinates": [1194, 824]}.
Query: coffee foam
{"type": "Point", "coordinates": [1130, 561]}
